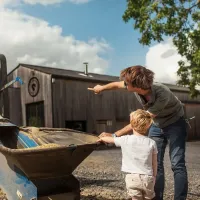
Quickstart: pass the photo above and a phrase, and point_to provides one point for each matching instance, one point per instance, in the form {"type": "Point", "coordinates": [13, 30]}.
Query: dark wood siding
{"type": "Point", "coordinates": [194, 130]}
{"type": "Point", "coordinates": [185, 97]}
{"type": "Point", "coordinates": [125, 103]}
{"type": "Point", "coordinates": [72, 101]}
{"type": "Point", "coordinates": [15, 105]}
{"type": "Point", "coordinates": [44, 93]}
{"type": "Point", "coordinates": [192, 108]}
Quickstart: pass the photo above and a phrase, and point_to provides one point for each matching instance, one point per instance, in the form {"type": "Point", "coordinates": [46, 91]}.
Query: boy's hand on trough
{"type": "Point", "coordinates": [104, 134]}
{"type": "Point", "coordinates": [101, 141]}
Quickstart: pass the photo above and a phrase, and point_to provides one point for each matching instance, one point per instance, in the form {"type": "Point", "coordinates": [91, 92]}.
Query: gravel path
{"type": "Point", "coordinates": [2, 195]}
{"type": "Point", "coordinates": [101, 178]}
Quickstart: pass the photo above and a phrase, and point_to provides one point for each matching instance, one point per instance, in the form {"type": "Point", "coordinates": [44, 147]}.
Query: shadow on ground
{"type": "Point", "coordinates": [97, 182]}
{"type": "Point", "coordinates": [95, 198]}
{"type": "Point", "coordinates": [194, 194]}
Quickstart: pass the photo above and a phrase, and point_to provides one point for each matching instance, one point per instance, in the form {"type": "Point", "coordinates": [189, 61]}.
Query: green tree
{"type": "Point", "coordinates": [179, 19]}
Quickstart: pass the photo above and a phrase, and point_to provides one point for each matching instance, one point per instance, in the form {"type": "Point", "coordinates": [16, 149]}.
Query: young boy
{"type": "Point", "coordinates": [139, 156]}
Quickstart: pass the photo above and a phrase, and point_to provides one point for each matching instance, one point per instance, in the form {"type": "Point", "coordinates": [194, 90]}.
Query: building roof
{"type": "Point", "coordinates": [56, 72]}
{"type": "Point", "coordinates": [65, 73]}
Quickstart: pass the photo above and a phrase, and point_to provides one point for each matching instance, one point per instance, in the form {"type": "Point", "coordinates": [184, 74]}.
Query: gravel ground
{"type": "Point", "coordinates": [101, 178]}
{"type": "Point", "coordinates": [2, 195]}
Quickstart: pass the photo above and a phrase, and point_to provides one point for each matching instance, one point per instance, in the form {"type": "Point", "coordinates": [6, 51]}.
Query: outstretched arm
{"type": "Point", "coordinates": [124, 130]}
{"type": "Point", "coordinates": [109, 140]}
{"type": "Point", "coordinates": [110, 86]}
{"type": "Point", "coordinates": [118, 133]}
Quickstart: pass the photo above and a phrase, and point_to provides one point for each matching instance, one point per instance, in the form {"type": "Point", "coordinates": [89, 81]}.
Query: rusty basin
{"type": "Point", "coordinates": [37, 163]}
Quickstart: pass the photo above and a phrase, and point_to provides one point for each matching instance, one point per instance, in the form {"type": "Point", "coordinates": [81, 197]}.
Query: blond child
{"type": "Point", "coordinates": [139, 157]}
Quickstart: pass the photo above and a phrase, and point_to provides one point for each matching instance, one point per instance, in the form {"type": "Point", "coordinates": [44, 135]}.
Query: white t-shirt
{"type": "Point", "coordinates": [137, 152]}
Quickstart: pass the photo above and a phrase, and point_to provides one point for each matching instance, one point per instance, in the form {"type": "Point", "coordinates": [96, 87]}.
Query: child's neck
{"type": "Point", "coordinates": [136, 133]}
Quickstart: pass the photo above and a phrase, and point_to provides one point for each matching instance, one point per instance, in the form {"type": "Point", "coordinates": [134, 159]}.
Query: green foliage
{"type": "Point", "coordinates": [179, 19]}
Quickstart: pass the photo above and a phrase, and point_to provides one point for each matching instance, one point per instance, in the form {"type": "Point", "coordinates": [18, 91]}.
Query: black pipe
{"type": "Point", "coordinates": [4, 97]}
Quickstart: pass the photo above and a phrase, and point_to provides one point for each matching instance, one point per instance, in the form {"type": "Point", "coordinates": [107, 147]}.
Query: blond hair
{"type": "Point", "coordinates": [140, 121]}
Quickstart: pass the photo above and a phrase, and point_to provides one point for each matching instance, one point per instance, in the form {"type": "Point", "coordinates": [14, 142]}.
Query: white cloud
{"type": "Point", "coordinates": [79, 1]}
{"type": "Point", "coordinates": [30, 40]}
{"type": "Point", "coordinates": [12, 3]}
{"type": "Point", "coordinates": [42, 2]}
{"type": "Point", "coordinates": [47, 2]}
{"type": "Point", "coordinates": [163, 59]}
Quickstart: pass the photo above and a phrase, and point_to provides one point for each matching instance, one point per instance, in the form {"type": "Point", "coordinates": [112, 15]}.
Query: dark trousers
{"type": "Point", "coordinates": [175, 135]}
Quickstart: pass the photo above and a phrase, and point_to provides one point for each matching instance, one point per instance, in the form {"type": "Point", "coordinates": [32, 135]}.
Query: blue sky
{"type": "Point", "coordinates": [65, 33]}
{"type": "Point", "coordinates": [100, 19]}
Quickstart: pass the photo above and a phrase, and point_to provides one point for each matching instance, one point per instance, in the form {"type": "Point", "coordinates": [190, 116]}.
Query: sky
{"type": "Point", "coordinates": [67, 33]}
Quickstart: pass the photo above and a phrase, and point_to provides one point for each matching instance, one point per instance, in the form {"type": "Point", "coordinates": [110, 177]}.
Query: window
{"type": "Point", "coordinates": [35, 114]}
{"type": "Point", "coordinates": [76, 125]}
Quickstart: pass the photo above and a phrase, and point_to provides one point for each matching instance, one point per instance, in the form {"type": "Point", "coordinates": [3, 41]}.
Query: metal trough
{"type": "Point", "coordinates": [31, 171]}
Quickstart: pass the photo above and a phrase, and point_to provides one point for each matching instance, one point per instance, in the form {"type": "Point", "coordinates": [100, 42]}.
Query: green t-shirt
{"type": "Point", "coordinates": [162, 103]}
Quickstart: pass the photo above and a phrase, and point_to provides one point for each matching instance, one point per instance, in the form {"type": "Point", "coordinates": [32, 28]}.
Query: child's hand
{"type": "Point", "coordinates": [99, 140]}
{"type": "Point", "coordinates": [104, 134]}
{"type": "Point", "coordinates": [107, 140]}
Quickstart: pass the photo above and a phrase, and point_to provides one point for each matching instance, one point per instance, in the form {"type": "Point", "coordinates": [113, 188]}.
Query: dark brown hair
{"type": "Point", "coordinates": [138, 76]}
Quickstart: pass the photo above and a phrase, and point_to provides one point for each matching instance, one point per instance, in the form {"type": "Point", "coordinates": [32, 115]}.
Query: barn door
{"type": "Point", "coordinates": [35, 114]}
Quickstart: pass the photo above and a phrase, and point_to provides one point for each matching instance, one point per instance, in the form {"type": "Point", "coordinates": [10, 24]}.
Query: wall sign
{"type": "Point", "coordinates": [33, 86]}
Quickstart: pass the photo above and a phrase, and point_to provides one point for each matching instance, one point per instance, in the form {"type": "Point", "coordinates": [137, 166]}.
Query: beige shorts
{"type": "Point", "coordinates": [140, 186]}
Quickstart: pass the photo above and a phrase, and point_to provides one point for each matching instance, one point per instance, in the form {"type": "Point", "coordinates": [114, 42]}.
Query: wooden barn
{"type": "Point", "coordinates": [59, 98]}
